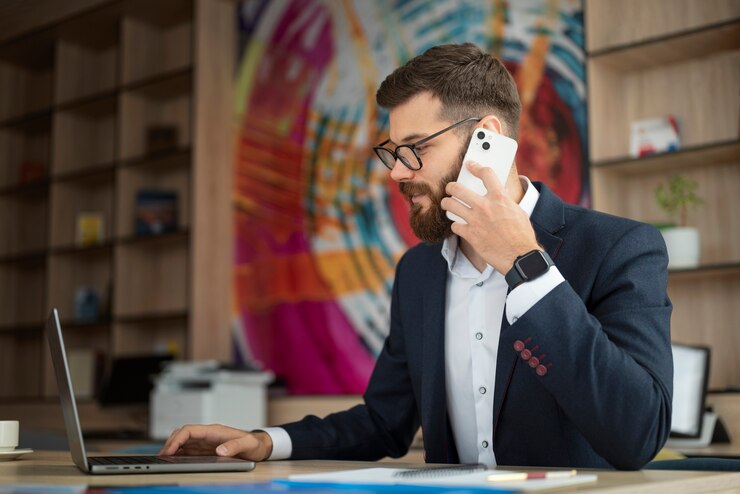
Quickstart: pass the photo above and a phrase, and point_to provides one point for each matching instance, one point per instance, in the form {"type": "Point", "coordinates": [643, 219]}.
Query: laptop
{"type": "Point", "coordinates": [119, 464]}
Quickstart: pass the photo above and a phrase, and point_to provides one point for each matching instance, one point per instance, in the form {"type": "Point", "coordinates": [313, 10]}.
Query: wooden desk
{"type": "Point", "coordinates": [57, 468]}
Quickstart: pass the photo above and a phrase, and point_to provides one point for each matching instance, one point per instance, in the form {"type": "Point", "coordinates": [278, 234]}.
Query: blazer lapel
{"type": "Point", "coordinates": [548, 218]}
{"type": "Point", "coordinates": [433, 392]}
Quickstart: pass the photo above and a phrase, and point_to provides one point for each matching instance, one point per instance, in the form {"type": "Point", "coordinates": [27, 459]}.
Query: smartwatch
{"type": "Point", "coordinates": [527, 267]}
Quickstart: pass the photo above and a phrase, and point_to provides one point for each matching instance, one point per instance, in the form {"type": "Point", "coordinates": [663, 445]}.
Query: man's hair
{"type": "Point", "coordinates": [468, 82]}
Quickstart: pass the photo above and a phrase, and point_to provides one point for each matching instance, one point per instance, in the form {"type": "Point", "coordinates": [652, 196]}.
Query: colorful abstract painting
{"type": "Point", "coordinates": [319, 224]}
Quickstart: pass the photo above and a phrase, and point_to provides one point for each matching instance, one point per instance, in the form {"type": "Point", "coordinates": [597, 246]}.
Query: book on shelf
{"type": "Point", "coordinates": [31, 171]}
{"type": "Point", "coordinates": [161, 138]}
{"type": "Point", "coordinates": [156, 212]}
{"type": "Point", "coordinates": [90, 228]}
{"type": "Point", "coordinates": [654, 135]}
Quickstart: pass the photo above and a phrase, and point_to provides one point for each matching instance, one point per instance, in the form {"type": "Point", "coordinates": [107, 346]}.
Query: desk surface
{"type": "Point", "coordinates": [57, 468]}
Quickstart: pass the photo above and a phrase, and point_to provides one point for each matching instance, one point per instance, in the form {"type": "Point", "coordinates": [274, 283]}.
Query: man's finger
{"type": "Point", "coordinates": [454, 206]}
{"type": "Point", "coordinates": [460, 191]}
{"type": "Point", "coordinates": [486, 174]}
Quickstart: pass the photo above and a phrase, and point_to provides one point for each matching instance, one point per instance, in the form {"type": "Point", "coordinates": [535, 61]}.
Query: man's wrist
{"type": "Point", "coordinates": [266, 441]}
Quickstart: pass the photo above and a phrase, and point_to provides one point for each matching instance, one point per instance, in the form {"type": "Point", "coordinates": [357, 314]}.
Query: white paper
{"type": "Point", "coordinates": [384, 476]}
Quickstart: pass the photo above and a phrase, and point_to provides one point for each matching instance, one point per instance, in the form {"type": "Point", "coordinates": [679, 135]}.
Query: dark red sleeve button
{"type": "Point", "coordinates": [541, 370]}
{"type": "Point", "coordinates": [534, 362]}
{"type": "Point", "coordinates": [526, 354]}
{"type": "Point", "coordinates": [518, 345]}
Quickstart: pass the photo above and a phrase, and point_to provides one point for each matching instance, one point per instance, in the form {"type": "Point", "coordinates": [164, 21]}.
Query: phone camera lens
{"type": "Point", "coordinates": [486, 146]}
{"type": "Point", "coordinates": [481, 135]}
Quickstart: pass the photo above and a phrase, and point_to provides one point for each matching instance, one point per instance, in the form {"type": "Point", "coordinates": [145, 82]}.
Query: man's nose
{"type": "Point", "coordinates": [401, 172]}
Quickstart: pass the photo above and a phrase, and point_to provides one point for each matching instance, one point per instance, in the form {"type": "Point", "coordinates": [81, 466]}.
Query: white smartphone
{"type": "Point", "coordinates": [490, 149]}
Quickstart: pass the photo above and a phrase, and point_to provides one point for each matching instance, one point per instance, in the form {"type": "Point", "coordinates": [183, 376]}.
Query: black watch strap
{"type": "Point", "coordinates": [527, 267]}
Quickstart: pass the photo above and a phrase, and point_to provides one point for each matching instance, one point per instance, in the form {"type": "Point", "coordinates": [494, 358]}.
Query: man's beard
{"type": "Point", "coordinates": [431, 226]}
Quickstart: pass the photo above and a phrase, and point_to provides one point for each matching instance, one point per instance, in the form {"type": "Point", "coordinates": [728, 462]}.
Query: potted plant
{"type": "Point", "coordinates": [682, 241]}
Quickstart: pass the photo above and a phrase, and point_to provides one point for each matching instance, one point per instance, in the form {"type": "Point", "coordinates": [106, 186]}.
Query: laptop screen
{"type": "Point", "coordinates": [66, 393]}
{"type": "Point", "coordinates": [690, 381]}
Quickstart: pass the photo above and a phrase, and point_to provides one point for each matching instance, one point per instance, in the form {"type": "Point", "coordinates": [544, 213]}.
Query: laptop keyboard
{"type": "Point", "coordinates": [128, 460]}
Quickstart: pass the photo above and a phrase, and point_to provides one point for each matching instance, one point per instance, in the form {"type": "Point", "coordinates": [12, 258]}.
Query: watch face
{"type": "Point", "coordinates": [532, 265]}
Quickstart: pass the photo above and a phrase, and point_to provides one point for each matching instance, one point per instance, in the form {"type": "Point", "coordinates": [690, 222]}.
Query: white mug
{"type": "Point", "coordinates": [8, 435]}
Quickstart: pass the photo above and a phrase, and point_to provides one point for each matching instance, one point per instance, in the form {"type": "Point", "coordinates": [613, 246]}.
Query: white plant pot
{"type": "Point", "coordinates": [683, 246]}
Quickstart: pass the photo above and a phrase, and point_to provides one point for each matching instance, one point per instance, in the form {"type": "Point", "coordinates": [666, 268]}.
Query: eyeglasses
{"type": "Point", "coordinates": [407, 152]}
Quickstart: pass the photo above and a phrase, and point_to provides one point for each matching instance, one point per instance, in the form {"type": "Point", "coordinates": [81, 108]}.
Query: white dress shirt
{"type": "Point", "coordinates": [474, 309]}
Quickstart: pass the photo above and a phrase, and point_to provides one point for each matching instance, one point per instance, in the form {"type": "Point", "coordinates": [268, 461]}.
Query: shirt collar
{"type": "Point", "coordinates": [528, 203]}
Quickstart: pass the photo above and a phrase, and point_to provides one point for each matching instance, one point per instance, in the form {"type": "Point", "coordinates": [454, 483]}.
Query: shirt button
{"type": "Point", "coordinates": [479, 284]}
{"type": "Point", "coordinates": [482, 390]}
{"type": "Point", "coordinates": [479, 336]}
{"type": "Point", "coordinates": [484, 444]}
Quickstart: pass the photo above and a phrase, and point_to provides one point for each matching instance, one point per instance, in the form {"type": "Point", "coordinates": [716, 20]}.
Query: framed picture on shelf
{"type": "Point", "coordinates": [654, 135]}
{"type": "Point", "coordinates": [87, 304]}
{"type": "Point", "coordinates": [156, 212]}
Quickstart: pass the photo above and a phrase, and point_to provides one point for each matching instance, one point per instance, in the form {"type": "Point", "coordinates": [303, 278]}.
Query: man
{"type": "Point", "coordinates": [561, 360]}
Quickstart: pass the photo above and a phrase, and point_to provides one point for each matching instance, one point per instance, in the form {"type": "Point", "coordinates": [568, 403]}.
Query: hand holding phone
{"type": "Point", "coordinates": [490, 149]}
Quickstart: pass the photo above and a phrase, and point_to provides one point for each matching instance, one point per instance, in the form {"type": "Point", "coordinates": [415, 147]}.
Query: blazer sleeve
{"type": "Point", "coordinates": [609, 361]}
{"type": "Point", "coordinates": [384, 425]}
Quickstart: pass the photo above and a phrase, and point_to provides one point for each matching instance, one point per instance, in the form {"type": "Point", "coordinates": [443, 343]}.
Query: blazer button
{"type": "Point", "coordinates": [518, 345]}
{"type": "Point", "coordinates": [541, 370]}
{"type": "Point", "coordinates": [526, 354]}
{"type": "Point", "coordinates": [534, 362]}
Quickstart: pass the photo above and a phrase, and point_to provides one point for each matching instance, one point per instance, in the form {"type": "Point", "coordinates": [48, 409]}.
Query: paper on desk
{"type": "Point", "coordinates": [477, 480]}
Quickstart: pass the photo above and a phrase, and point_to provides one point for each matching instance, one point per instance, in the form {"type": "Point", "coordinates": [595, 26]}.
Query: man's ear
{"type": "Point", "coordinates": [492, 123]}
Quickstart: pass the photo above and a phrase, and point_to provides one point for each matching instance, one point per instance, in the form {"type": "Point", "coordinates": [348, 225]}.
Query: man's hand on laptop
{"type": "Point", "coordinates": [198, 440]}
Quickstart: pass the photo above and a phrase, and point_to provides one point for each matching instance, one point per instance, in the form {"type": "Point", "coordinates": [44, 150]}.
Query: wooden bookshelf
{"type": "Point", "coordinates": [80, 91]}
{"type": "Point", "coordinates": [662, 57]}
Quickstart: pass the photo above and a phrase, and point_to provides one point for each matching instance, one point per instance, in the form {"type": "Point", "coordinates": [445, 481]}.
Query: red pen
{"type": "Point", "coordinates": [515, 476]}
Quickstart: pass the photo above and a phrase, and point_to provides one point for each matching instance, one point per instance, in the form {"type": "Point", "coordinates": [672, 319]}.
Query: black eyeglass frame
{"type": "Point", "coordinates": [412, 146]}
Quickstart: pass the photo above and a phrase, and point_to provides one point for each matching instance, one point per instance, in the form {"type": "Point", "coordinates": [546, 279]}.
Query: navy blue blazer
{"type": "Point", "coordinates": [600, 394]}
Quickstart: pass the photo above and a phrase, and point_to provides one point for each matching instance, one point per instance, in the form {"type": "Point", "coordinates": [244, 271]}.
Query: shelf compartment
{"type": "Point", "coordinates": [633, 196]}
{"type": "Point", "coordinates": [91, 193]}
{"type": "Point", "coordinates": [21, 364]}
{"type": "Point", "coordinates": [702, 95]}
{"type": "Point", "coordinates": [23, 221]}
{"type": "Point", "coordinates": [167, 173]}
{"type": "Point", "coordinates": [154, 335]}
{"type": "Point", "coordinates": [718, 153]}
{"type": "Point", "coordinates": [157, 38]}
{"type": "Point", "coordinates": [92, 337]}
{"type": "Point", "coordinates": [22, 293]}
{"type": "Point", "coordinates": [71, 272]}
{"type": "Point", "coordinates": [151, 277]}
{"type": "Point", "coordinates": [26, 73]}
{"type": "Point", "coordinates": [25, 152]}
{"type": "Point", "coordinates": [714, 324]}
{"type": "Point", "coordinates": [87, 56]}
{"type": "Point", "coordinates": [165, 103]}
{"type": "Point", "coordinates": [85, 136]}
{"type": "Point", "coordinates": [672, 48]}
{"type": "Point", "coordinates": [616, 24]}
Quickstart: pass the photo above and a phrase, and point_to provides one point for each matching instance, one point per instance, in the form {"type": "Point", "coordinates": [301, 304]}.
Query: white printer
{"type": "Point", "coordinates": [204, 393]}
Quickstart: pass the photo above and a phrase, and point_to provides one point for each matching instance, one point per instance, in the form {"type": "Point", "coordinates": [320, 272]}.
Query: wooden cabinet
{"type": "Point", "coordinates": [78, 101]}
{"type": "Point", "coordinates": [651, 58]}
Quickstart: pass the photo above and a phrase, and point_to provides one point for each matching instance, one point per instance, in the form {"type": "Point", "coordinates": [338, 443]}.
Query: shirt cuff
{"type": "Point", "coordinates": [523, 297]}
{"type": "Point", "coordinates": [282, 446]}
